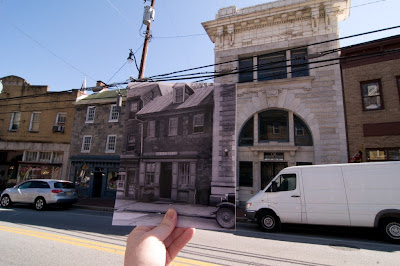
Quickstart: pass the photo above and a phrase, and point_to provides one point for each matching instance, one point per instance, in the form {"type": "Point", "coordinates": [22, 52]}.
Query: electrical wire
{"type": "Point", "coordinates": [180, 36]}
{"type": "Point", "coordinates": [329, 61]}
{"type": "Point", "coordinates": [119, 12]}
{"type": "Point", "coordinates": [41, 45]}
{"type": "Point", "coordinates": [255, 68]}
{"type": "Point", "coordinates": [304, 46]}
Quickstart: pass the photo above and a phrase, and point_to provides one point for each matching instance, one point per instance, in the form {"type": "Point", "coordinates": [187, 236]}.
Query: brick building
{"type": "Point", "coordinates": [371, 86]}
{"type": "Point", "coordinates": [36, 131]}
{"type": "Point", "coordinates": [97, 143]}
{"type": "Point", "coordinates": [175, 148]}
{"type": "Point", "coordinates": [289, 103]}
{"type": "Point", "coordinates": [138, 95]}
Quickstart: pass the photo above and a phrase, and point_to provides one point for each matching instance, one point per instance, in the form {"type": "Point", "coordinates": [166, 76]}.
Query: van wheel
{"type": "Point", "coordinates": [390, 229]}
{"type": "Point", "coordinates": [40, 204]}
{"type": "Point", "coordinates": [268, 222]}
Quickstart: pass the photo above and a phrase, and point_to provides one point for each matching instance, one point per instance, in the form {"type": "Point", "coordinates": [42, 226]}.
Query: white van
{"type": "Point", "coordinates": [360, 194]}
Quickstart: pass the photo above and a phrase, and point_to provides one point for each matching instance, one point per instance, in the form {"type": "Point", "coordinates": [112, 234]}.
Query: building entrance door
{"type": "Point", "coordinates": [166, 180]}
{"type": "Point", "coordinates": [269, 170]}
{"type": "Point", "coordinates": [97, 184]}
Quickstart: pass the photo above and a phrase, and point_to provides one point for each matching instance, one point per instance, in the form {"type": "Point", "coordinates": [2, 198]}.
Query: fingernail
{"type": "Point", "coordinates": [170, 214]}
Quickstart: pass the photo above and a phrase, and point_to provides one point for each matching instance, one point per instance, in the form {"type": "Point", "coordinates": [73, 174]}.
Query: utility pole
{"type": "Point", "coordinates": [145, 46]}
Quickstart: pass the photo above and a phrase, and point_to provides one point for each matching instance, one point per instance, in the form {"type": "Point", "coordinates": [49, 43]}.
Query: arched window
{"type": "Point", "coordinates": [246, 137]}
{"type": "Point", "coordinates": [273, 126]}
{"type": "Point", "coordinates": [302, 135]}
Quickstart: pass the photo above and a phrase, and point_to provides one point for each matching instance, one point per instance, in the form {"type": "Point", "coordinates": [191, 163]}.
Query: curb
{"type": "Point", "coordinates": [95, 208]}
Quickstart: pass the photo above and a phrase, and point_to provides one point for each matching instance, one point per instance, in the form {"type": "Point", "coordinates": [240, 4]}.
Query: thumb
{"type": "Point", "coordinates": [167, 225]}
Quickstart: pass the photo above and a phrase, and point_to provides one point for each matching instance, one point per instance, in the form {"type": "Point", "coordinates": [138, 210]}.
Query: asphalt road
{"type": "Point", "coordinates": [86, 237]}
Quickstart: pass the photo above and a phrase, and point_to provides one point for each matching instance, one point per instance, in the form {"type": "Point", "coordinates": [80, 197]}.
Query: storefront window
{"type": "Point", "coordinates": [27, 172]}
{"type": "Point", "coordinates": [83, 178]}
{"type": "Point", "coordinates": [381, 154]}
{"type": "Point", "coordinates": [112, 180]}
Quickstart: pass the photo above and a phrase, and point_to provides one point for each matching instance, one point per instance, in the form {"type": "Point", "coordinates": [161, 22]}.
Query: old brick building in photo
{"type": "Point", "coordinates": [172, 151]}
{"type": "Point", "coordinates": [371, 85]}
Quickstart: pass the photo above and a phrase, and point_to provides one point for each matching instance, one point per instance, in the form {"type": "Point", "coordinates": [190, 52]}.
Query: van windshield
{"type": "Point", "coordinates": [285, 182]}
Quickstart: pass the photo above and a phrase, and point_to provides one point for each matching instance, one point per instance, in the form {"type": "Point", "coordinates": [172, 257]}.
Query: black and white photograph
{"type": "Point", "coordinates": [179, 153]}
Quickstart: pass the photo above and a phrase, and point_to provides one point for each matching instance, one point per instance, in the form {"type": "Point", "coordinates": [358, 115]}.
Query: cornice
{"type": "Point", "coordinates": [320, 12]}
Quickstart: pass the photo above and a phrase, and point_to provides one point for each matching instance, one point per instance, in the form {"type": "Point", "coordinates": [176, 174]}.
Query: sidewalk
{"type": "Point", "coordinates": [104, 204]}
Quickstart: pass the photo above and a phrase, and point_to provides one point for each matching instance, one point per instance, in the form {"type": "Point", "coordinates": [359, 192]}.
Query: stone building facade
{"type": "Point", "coordinates": [138, 95]}
{"type": "Point", "coordinates": [371, 86]}
{"type": "Point", "coordinates": [180, 145]}
{"type": "Point", "coordinates": [97, 143]}
{"type": "Point", "coordinates": [289, 100]}
{"type": "Point", "coordinates": [36, 131]}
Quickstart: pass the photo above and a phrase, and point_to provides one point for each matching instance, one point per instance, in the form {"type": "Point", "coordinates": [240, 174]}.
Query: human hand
{"type": "Point", "coordinates": [157, 245]}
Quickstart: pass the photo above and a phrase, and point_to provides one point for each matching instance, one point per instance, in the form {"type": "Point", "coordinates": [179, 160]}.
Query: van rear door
{"type": "Point", "coordinates": [284, 197]}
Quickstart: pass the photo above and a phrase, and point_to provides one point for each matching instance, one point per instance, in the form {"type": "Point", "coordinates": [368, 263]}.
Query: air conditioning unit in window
{"type": "Point", "coordinates": [58, 129]}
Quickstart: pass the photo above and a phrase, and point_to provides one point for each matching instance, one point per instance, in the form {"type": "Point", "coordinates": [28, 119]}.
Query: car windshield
{"type": "Point", "coordinates": [64, 185]}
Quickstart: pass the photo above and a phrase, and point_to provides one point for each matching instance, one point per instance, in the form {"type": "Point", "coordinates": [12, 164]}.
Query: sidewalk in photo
{"type": "Point", "coordinates": [108, 204]}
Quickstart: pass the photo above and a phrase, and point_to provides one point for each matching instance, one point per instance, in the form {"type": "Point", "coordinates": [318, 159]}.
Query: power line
{"type": "Point", "coordinates": [180, 36]}
{"type": "Point", "coordinates": [304, 46]}
{"type": "Point", "coordinates": [41, 45]}
{"type": "Point", "coordinates": [119, 12]}
{"type": "Point", "coordinates": [255, 68]}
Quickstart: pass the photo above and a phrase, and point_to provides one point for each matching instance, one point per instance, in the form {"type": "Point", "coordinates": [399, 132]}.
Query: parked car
{"type": "Point", "coordinates": [359, 194]}
{"type": "Point", "coordinates": [41, 192]}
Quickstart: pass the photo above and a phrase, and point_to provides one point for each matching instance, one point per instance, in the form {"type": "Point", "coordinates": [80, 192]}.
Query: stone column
{"type": "Point", "coordinates": [224, 142]}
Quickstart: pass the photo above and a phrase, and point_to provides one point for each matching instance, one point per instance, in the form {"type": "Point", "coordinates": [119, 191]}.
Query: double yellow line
{"type": "Point", "coordinates": [90, 244]}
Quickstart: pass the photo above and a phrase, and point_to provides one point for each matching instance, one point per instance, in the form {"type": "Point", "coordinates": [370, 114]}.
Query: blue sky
{"type": "Point", "coordinates": [56, 43]}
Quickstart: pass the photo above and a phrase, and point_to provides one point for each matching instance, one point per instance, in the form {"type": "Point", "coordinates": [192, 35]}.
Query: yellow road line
{"type": "Point", "coordinates": [91, 244]}
{"type": "Point", "coordinates": [63, 237]}
{"type": "Point", "coordinates": [183, 261]}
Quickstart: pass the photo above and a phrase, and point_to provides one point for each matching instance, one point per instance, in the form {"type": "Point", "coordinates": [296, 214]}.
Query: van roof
{"type": "Point", "coordinates": [346, 164]}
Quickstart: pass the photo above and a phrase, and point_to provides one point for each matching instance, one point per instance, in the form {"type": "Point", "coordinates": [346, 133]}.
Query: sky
{"type": "Point", "coordinates": [57, 43]}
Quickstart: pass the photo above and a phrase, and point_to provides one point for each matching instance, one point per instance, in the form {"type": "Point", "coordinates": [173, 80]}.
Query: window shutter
{"type": "Point", "coordinates": [166, 126]}
{"type": "Point", "coordinates": [145, 127]}
{"type": "Point", "coordinates": [157, 129]}
{"type": "Point", "coordinates": [190, 125]}
{"type": "Point", "coordinates": [180, 126]}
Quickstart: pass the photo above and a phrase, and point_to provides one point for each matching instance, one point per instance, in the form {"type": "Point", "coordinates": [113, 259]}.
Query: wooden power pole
{"type": "Point", "coordinates": [145, 46]}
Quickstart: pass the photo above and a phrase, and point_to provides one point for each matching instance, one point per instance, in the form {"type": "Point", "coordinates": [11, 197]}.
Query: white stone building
{"type": "Point", "coordinates": [289, 94]}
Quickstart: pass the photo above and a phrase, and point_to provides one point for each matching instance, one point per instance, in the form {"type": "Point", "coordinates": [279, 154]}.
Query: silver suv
{"type": "Point", "coordinates": [41, 192]}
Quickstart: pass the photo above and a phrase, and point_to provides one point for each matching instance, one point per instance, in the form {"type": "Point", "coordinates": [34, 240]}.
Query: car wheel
{"type": "Point", "coordinates": [390, 229]}
{"type": "Point", "coordinates": [40, 204]}
{"type": "Point", "coordinates": [226, 217]}
{"type": "Point", "coordinates": [268, 222]}
{"type": "Point", "coordinates": [6, 201]}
